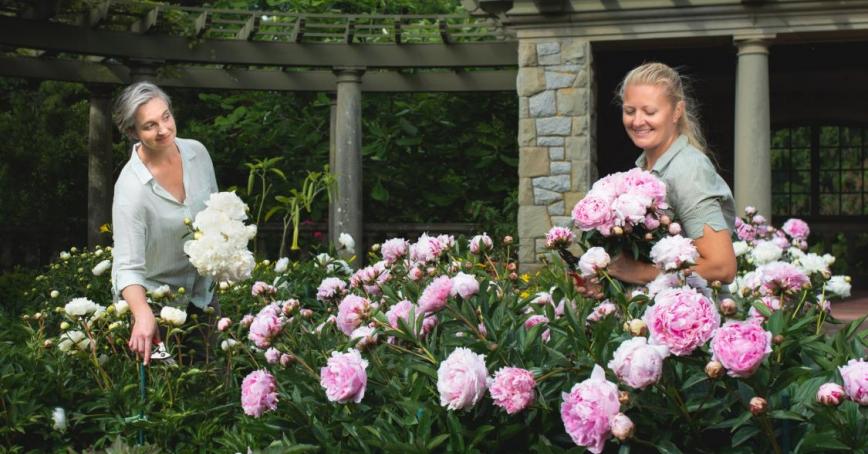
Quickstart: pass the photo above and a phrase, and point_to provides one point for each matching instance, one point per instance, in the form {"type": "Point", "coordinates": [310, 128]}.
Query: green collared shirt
{"type": "Point", "coordinates": [148, 226]}
{"type": "Point", "coordinates": [695, 192]}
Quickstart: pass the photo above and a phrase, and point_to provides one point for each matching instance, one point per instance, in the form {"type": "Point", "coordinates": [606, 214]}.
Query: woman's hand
{"type": "Point", "coordinates": [144, 334]}
{"type": "Point", "coordinates": [632, 271]}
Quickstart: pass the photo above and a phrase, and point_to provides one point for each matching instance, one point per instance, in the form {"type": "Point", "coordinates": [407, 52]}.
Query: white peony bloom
{"type": "Point", "coordinates": [58, 416]}
{"type": "Point", "coordinates": [795, 253]}
{"type": "Point", "coordinates": [228, 203]}
{"type": "Point", "coordinates": [282, 265]}
{"type": "Point", "coordinates": [346, 241]}
{"type": "Point", "coordinates": [97, 314]}
{"type": "Point", "coordinates": [122, 307]}
{"type": "Point", "coordinates": [173, 316]}
{"type": "Point", "coordinates": [228, 344]}
{"type": "Point", "coordinates": [79, 307]}
{"type": "Point", "coordinates": [101, 267]}
{"type": "Point", "coordinates": [64, 255]}
{"type": "Point", "coordinates": [812, 263]}
{"type": "Point", "coordinates": [829, 258]}
{"type": "Point", "coordinates": [73, 339]}
{"type": "Point", "coordinates": [161, 291]}
{"type": "Point", "coordinates": [54, 294]}
{"type": "Point", "coordinates": [766, 252]}
{"type": "Point", "coordinates": [740, 248]}
{"type": "Point", "coordinates": [839, 285]}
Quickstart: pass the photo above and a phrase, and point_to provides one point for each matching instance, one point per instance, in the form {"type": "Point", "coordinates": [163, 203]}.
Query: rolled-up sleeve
{"type": "Point", "coordinates": [696, 198]}
{"type": "Point", "coordinates": [130, 243]}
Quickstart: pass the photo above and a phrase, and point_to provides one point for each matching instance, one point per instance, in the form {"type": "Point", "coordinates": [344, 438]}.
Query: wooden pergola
{"type": "Point", "coordinates": [116, 42]}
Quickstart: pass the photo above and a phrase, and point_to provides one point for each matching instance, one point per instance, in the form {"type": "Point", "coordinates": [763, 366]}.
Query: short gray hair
{"type": "Point", "coordinates": [126, 104]}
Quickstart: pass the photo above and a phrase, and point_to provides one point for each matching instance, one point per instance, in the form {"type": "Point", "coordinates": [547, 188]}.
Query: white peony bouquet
{"type": "Point", "coordinates": [219, 245]}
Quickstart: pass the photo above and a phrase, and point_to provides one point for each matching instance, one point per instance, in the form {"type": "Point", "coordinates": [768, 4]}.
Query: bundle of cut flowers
{"type": "Point", "coordinates": [219, 245]}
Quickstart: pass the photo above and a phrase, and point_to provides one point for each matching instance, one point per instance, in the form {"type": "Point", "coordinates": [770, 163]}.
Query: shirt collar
{"type": "Point", "coordinates": [667, 156]}
{"type": "Point", "coordinates": [142, 172]}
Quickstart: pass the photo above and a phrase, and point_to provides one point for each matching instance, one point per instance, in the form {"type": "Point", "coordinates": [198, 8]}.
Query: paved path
{"type": "Point", "coordinates": [850, 309]}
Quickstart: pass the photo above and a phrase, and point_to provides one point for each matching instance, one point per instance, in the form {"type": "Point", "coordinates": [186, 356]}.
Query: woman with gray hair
{"type": "Point", "coordinates": [167, 180]}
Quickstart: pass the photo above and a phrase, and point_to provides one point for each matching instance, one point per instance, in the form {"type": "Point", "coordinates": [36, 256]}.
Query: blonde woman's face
{"type": "Point", "coordinates": [650, 118]}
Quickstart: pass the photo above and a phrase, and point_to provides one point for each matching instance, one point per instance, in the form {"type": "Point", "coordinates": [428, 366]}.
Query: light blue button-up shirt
{"type": "Point", "coordinates": [148, 226]}
{"type": "Point", "coordinates": [695, 192]}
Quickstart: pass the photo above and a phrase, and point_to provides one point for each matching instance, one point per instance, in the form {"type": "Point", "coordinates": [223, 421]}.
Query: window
{"type": "Point", "coordinates": [820, 171]}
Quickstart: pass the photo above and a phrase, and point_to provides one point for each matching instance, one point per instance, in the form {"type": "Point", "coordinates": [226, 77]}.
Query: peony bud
{"type": "Point", "coordinates": [728, 307]}
{"type": "Point", "coordinates": [375, 247]}
{"type": "Point", "coordinates": [649, 236]}
{"type": "Point", "coordinates": [623, 397]}
{"type": "Point", "coordinates": [181, 290]}
{"type": "Point", "coordinates": [665, 220]}
{"type": "Point", "coordinates": [622, 427]}
{"type": "Point", "coordinates": [513, 276]}
{"type": "Point", "coordinates": [306, 313]}
{"type": "Point", "coordinates": [749, 210]}
{"type": "Point", "coordinates": [675, 228]}
{"type": "Point", "coordinates": [507, 240]}
{"type": "Point", "coordinates": [188, 221]}
{"type": "Point", "coordinates": [224, 285]}
{"type": "Point", "coordinates": [511, 266]}
{"type": "Point", "coordinates": [286, 359]}
{"type": "Point", "coordinates": [55, 293]}
{"type": "Point", "coordinates": [778, 339]}
{"type": "Point", "coordinates": [758, 406]}
{"type": "Point", "coordinates": [830, 394]}
{"type": "Point", "coordinates": [48, 343]}
{"type": "Point", "coordinates": [638, 327]}
{"type": "Point", "coordinates": [617, 231]}
{"type": "Point", "coordinates": [716, 285]}
{"type": "Point", "coordinates": [714, 370]}
{"type": "Point", "coordinates": [197, 236]}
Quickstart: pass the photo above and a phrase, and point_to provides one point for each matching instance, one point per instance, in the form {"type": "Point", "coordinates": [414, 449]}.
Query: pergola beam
{"type": "Point", "coordinates": [148, 21]}
{"type": "Point", "coordinates": [72, 39]}
{"type": "Point", "coordinates": [262, 79]}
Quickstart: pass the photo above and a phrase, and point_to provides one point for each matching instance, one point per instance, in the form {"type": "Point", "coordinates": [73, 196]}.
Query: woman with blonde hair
{"type": "Point", "coordinates": [660, 119]}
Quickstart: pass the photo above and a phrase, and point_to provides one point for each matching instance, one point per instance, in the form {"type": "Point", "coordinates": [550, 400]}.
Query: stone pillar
{"type": "Point", "coordinates": [333, 205]}
{"type": "Point", "coordinates": [753, 176]}
{"type": "Point", "coordinates": [99, 171]}
{"type": "Point", "coordinates": [557, 157]}
{"type": "Point", "coordinates": [348, 159]}
{"type": "Point", "coordinates": [143, 70]}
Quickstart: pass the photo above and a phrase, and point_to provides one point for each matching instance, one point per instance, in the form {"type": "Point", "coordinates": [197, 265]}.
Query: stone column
{"type": "Point", "coordinates": [143, 70]}
{"type": "Point", "coordinates": [557, 160]}
{"type": "Point", "coordinates": [333, 205]}
{"type": "Point", "coordinates": [753, 176]}
{"type": "Point", "coordinates": [99, 170]}
{"type": "Point", "coordinates": [348, 158]}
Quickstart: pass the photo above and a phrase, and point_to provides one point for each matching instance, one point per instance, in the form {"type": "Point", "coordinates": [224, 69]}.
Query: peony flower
{"type": "Point", "coordinates": [602, 311]}
{"type": "Point", "coordinates": [265, 326]}
{"type": "Point", "coordinates": [461, 379]}
{"type": "Point", "coordinates": [258, 393]}
{"type": "Point", "coordinates": [346, 241]}
{"type": "Point", "coordinates": [771, 302]}
{"type": "Point", "coordinates": [673, 252]}
{"type": "Point", "coordinates": [122, 307]}
{"type": "Point", "coordinates": [744, 231]}
{"type": "Point", "coordinates": [228, 344]}
{"type": "Point", "coordinates": [272, 355]}
{"type": "Point", "coordinates": [812, 263]}
{"type": "Point", "coordinates": [281, 265]}
{"type": "Point", "coordinates": [395, 249]}
{"type": "Point", "coordinates": [637, 363]}
{"type": "Point", "coordinates": [622, 427]}
{"type": "Point", "coordinates": [839, 285]}
{"type": "Point", "coordinates": [796, 229]}
{"type": "Point", "coordinates": [260, 288]}
{"type": "Point", "coordinates": [481, 243]}
{"type": "Point", "coordinates": [371, 278]}
{"type": "Point", "coordinates": [741, 346]}
{"type": "Point", "coordinates": [534, 320]}
{"type": "Point", "coordinates": [101, 267]}
{"type": "Point", "coordinates": [593, 212]}
{"type": "Point", "coordinates": [79, 307]}
{"type": "Point", "coordinates": [766, 252]}
{"type": "Point", "coordinates": [630, 208]}
{"type": "Point", "coordinates": [682, 319]}
{"type": "Point", "coordinates": [229, 204]}
{"type": "Point", "coordinates": [830, 394]}
{"type": "Point", "coordinates": [740, 248]}
{"type": "Point", "coordinates": [365, 335]}
{"type": "Point", "coordinates": [435, 295]}
{"type": "Point", "coordinates": [593, 260]}
{"type": "Point", "coordinates": [219, 248]}
{"type": "Point", "coordinates": [464, 285]}
{"type": "Point", "coordinates": [588, 410]}
{"type": "Point", "coordinates": [426, 249]}
{"type": "Point", "coordinates": [512, 389]}
{"type": "Point", "coordinates": [331, 288]}
{"type": "Point", "coordinates": [58, 418]}
{"type": "Point", "coordinates": [247, 320]}
{"type": "Point", "coordinates": [344, 377]}
{"type": "Point", "coordinates": [352, 311]}
{"type": "Point", "coordinates": [173, 316]}
{"type": "Point", "coordinates": [855, 375]}
{"type": "Point", "coordinates": [542, 299]}
{"type": "Point", "coordinates": [223, 324]}
{"type": "Point", "coordinates": [73, 339]}
{"type": "Point", "coordinates": [776, 277]}
{"type": "Point", "coordinates": [643, 182]}
{"type": "Point", "coordinates": [558, 237]}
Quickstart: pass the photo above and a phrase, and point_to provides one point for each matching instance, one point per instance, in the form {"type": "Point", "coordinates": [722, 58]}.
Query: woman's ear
{"type": "Point", "coordinates": [679, 111]}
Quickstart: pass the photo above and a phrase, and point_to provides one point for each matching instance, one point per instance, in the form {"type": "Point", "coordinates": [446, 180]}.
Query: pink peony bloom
{"type": "Point", "coordinates": [674, 252]}
{"type": "Point", "coordinates": [352, 311]}
{"type": "Point", "coordinates": [401, 310]}
{"type": "Point", "coordinates": [272, 355]}
{"type": "Point", "coordinates": [534, 320]}
{"type": "Point", "coordinates": [593, 212]}
{"type": "Point", "coordinates": [745, 231]}
{"type": "Point", "coordinates": [265, 326]}
{"type": "Point", "coordinates": [461, 379]}
{"type": "Point", "coordinates": [602, 311]}
{"type": "Point", "coordinates": [779, 277]}
{"type": "Point", "coordinates": [542, 299]}
{"type": "Point", "coordinates": [435, 295]}
{"type": "Point", "coordinates": [366, 336]}
{"type": "Point", "coordinates": [593, 260]}
{"type": "Point", "coordinates": [558, 237]}
{"type": "Point", "coordinates": [588, 410]}
{"type": "Point", "coordinates": [830, 394]}
{"type": "Point", "coordinates": [796, 229]}
{"type": "Point", "coordinates": [512, 389]}
{"type": "Point", "coordinates": [651, 222]}
{"type": "Point", "coordinates": [246, 320]}
{"type": "Point", "coordinates": [330, 289]}
{"type": "Point", "coordinates": [223, 324]}
{"type": "Point", "coordinates": [426, 249]}
{"type": "Point", "coordinates": [344, 378]}
{"type": "Point", "coordinates": [395, 249]}
{"type": "Point", "coordinates": [741, 347]}
{"type": "Point", "coordinates": [464, 285]}
{"type": "Point", "coordinates": [682, 319]}
{"type": "Point", "coordinates": [258, 393]}
{"type": "Point", "coordinates": [771, 302]}
{"type": "Point", "coordinates": [262, 289]}
{"type": "Point", "coordinates": [622, 426]}
{"type": "Point", "coordinates": [428, 325]}
{"type": "Point", "coordinates": [630, 208]}
{"type": "Point", "coordinates": [643, 182]}
{"type": "Point", "coordinates": [855, 375]}
{"type": "Point", "coordinates": [637, 363]}
{"type": "Point", "coordinates": [481, 243]}
{"type": "Point", "coordinates": [371, 278]}
{"type": "Point", "coordinates": [415, 274]}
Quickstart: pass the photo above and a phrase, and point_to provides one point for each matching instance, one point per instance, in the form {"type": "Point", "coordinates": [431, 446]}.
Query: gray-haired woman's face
{"type": "Point", "coordinates": [154, 125]}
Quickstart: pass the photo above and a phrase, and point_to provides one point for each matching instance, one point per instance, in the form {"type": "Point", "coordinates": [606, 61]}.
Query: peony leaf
{"type": "Point", "coordinates": [820, 442]}
{"type": "Point", "coordinates": [744, 434]}
{"type": "Point", "coordinates": [761, 308]}
{"type": "Point", "coordinates": [437, 441]}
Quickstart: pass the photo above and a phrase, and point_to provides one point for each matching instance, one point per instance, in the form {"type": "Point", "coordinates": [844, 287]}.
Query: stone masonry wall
{"type": "Point", "coordinates": [557, 157]}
